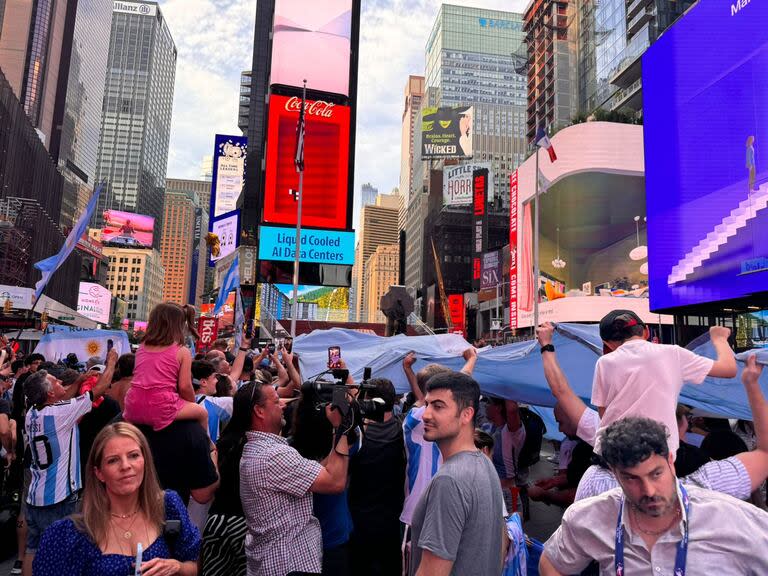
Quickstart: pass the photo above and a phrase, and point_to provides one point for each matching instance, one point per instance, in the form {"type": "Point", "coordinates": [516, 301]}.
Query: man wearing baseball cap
{"type": "Point", "coordinates": [639, 378]}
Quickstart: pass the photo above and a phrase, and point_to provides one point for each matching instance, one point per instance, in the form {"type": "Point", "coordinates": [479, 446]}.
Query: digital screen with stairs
{"type": "Point", "coordinates": [705, 113]}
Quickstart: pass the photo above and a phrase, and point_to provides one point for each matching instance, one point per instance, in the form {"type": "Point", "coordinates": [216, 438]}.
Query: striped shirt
{"type": "Point", "coordinates": [727, 476]}
{"type": "Point", "coordinates": [219, 412]}
{"type": "Point", "coordinates": [423, 460]}
{"type": "Point", "coordinates": [55, 446]}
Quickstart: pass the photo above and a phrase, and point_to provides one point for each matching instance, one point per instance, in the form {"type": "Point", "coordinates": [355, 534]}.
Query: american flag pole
{"type": "Point", "coordinates": [299, 161]}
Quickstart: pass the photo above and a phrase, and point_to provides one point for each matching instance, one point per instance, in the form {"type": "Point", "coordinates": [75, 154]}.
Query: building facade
{"type": "Point", "coordinates": [413, 94]}
{"type": "Point", "coordinates": [136, 121]}
{"type": "Point", "coordinates": [178, 243]}
{"type": "Point", "coordinates": [368, 194]}
{"type": "Point", "coordinates": [472, 59]}
{"type": "Point", "coordinates": [30, 204]}
{"type": "Point", "coordinates": [378, 226]}
{"type": "Point", "coordinates": [381, 271]}
{"type": "Point", "coordinates": [244, 107]}
{"type": "Point", "coordinates": [136, 276]}
{"type": "Point", "coordinates": [613, 36]}
{"type": "Point", "coordinates": [76, 144]}
{"type": "Point", "coordinates": [552, 65]}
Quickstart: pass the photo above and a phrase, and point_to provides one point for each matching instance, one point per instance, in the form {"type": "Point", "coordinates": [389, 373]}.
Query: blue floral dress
{"type": "Point", "coordinates": [66, 550]}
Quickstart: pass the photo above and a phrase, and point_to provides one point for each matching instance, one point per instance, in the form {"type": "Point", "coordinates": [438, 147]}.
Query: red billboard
{"type": "Point", "coordinates": [458, 313]}
{"type": "Point", "coordinates": [513, 250]}
{"type": "Point", "coordinates": [326, 163]}
{"type": "Point", "coordinates": [208, 328]}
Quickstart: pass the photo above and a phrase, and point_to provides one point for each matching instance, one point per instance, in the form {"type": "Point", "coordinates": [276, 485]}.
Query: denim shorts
{"type": "Point", "coordinates": [40, 517]}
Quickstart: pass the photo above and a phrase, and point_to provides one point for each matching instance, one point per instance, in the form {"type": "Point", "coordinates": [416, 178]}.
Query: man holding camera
{"type": "Point", "coordinates": [276, 486]}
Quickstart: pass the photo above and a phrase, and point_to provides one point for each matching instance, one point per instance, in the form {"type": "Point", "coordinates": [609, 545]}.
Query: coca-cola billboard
{"type": "Point", "coordinates": [208, 328]}
{"type": "Point", "coordinates": [326, 164]}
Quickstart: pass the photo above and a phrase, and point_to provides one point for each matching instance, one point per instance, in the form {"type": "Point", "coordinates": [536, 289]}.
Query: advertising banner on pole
{"type": "Point", "coordinates": [457, 183]}
{"type": "Point", "coordinates": [208, 328]}
{"type": "Point", "coordinates": [458, 313]}
{"type": "Point", "coordinates": [94, 302]}
{"type": "Point", "coordinates": [491, 270]}
{"type": "Point", "coordinates": [447, 132]}
{"type": "Point", "coordinates": [480, 224]}
{"type": "Point", "coordinates": [513, 250]}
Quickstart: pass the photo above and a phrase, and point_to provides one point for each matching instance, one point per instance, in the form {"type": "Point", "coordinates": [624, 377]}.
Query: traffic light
{"type": "Point", "coordinates": [7, 306]}
{"type": "Point", "coordinates": [44, 317]}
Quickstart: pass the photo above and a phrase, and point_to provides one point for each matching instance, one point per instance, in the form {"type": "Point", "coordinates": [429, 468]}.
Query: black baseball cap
{"type": "Point", "coordinates": [610, 332]}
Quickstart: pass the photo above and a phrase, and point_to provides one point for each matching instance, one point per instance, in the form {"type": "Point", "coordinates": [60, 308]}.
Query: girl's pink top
{"type": "Point", "coordinates": [153, 398]}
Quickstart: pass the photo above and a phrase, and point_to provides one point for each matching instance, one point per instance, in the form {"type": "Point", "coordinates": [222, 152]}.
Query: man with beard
{"type": "Point", "coordinates": [458, 522]}
{"type": "Point", "coordinates": [653, 524]}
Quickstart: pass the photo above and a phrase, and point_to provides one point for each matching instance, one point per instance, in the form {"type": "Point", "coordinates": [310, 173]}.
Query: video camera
{"type": "Point", "coordinates": [354, 410]}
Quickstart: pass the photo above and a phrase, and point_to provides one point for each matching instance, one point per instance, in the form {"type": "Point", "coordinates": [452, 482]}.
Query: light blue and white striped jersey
{"type": "Point", "coordinates": [54, 442]}
{"type": "Point", "coordinates": [219, 413]}
{"type": "Point", "coordinates": [423, 459]}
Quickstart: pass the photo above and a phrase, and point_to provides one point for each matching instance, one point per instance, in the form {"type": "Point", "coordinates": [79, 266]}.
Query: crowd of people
{"type": "Point", "coordinates": [176, 461]}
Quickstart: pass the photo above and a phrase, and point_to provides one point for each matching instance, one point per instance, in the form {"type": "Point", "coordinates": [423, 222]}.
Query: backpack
{"type": "Point", "coordinates": [534, 434]}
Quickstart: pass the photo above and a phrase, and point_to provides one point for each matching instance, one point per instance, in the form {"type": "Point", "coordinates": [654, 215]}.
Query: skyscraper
{"type": "Point", "coordinates": [368, 194]}
{"type": "Point", "coordinates": [76, 144]}
{"type": "Point", "coordinates": [180, 243]}
{"type": "Point", "coordinates": [136, 276]}
{"type": "Point", "coordinates": [34, 44]}
{"type": "Point", "coordinates": [381, 271]}
{"type": "Point", "coordinates": [552, 65]}
{"type": "Point", "coordinates": [613, 36]}
{"type": "Point", "coordinates": [136, 121]}
{"type": "Point", "coordinates": [54, 54]}
{"type": "Point", "coordinates": [414, 92]}
{"type": "Point", "coordinates": [378, 226]}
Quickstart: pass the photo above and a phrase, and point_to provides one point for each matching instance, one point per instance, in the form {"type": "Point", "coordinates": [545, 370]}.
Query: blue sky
{"type": "Point", "coordinates": [215, 41]}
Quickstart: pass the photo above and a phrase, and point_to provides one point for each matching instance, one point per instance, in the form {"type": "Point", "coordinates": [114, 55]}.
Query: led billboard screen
{"type": "Point", "coordinates": [127, 230]}
{"type": "Point", "coordinates": [705, 108]}
{"type": "Point", "coordinates": [319, 246]}
{"type": "Point", "coordinates": [311, 41]}
{"type": "Point", "coordinates": [326, 164]}
{"type": "Point", "coordinates": [228, 171]}
{"type": "Point", "coordinates": [94, 302]}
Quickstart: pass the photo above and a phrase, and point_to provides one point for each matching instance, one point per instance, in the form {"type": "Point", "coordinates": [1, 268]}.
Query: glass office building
{"type": "Point", "coordinates": [615, 35]}
{"type": "Point", "coordinates": [77, 144]}
{"type": "Point", "coordinates": [136, 117]}
{"type": "Point", "coordinates": [473, 58]}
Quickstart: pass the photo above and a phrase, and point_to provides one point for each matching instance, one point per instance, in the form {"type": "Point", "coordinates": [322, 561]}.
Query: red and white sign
{"type": "Point", "coordinates": [208, 328]}
{"type": "Point", "coordinates": [326, 161]}
{"type": "Point", "coordinates": [458, 313]}
{"type": "Point", "coordinates": [513, 250]}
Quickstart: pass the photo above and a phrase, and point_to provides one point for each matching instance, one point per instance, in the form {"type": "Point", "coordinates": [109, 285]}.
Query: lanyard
{"type": "Point", "coordinates": [682, 546]}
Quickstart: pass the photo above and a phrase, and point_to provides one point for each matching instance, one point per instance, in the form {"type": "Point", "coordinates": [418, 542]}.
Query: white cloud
{"type": "Point", "coordinates": [215, 42]}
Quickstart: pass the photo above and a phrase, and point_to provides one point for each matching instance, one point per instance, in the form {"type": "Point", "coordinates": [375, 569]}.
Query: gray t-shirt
{"type": "Point", "coordinates": [460, 517]}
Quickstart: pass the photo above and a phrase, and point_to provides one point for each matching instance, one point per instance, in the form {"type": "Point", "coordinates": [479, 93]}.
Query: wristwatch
{"type": "Point", "coordinates": [547, 348]}
{"type": "Point", "coordinates": [244, 349]}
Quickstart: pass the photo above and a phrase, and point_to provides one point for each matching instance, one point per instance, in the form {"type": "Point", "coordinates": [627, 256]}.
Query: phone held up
{"type": "Point", "coordinates": [334, 355]}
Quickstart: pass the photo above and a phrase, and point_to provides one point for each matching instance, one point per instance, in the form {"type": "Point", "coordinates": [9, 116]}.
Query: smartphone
{"type": "Point", "coordinates": [110, 345]}
{"type": "Point", "coordinates": [271, 347]}
{"type": "Point", "coordinates": [288, 344]}
{"type": "Point", "coordinates": [249, 329]}
{"type": "Point", "coordinates": [334, 355]}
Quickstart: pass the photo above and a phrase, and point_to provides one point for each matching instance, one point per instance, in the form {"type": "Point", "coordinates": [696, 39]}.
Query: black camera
{"type": "Point", "coordinates": [337, 393]}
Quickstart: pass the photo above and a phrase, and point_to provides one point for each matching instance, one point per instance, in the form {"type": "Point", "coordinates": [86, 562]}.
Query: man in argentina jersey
{"type": "Point", "coordinates": [423, 457]}
{"type": "Point", "coordinates": [219, 409]}
{"type": "Point", "coordinates": [51, 429]}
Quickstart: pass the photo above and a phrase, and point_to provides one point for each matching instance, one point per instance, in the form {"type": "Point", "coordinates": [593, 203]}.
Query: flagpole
{"type": "Point", "coordinates": [298, 229]}
{"type": "Point", "coordinates": [536, 247]}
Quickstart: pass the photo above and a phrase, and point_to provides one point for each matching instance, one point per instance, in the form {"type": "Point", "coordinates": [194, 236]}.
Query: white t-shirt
{"type": "Point", "coordinates": [423, 460]}
{"type": "Point", "coordinates": [566, 453]}
{"type": "Point", "coordinates": [589, 424]}
{"type": "Point", "coordinates": [644, 379]}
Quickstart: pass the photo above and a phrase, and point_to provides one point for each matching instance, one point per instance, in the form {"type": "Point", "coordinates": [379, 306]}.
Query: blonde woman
{"type": "Point", "coordinates": [123, 508]}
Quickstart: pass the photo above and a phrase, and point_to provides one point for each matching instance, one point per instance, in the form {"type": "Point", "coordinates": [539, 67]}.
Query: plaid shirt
{"type": "Point", "coordinates": [283, 536]}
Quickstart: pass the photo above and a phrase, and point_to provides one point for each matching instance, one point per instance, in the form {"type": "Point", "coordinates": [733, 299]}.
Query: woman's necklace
{"type": "Point", "coordinates": [127, 534]}
{"type": "Point", "coordinates": [124, 516]}
{"type": "Point", "coordinates": [654, 532]}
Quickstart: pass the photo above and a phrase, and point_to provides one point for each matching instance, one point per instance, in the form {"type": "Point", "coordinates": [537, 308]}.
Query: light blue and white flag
{"type": "Point", "coordinates": [50, 265]}
{"type": "Point", "coordinates": [85, 343]}
{"type": "Point", "coordinates": [231, 282]}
